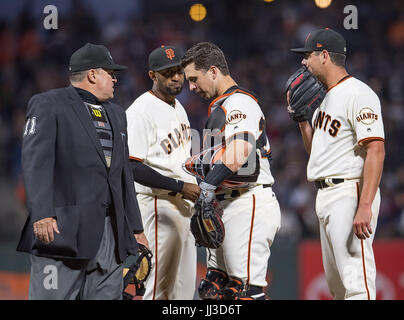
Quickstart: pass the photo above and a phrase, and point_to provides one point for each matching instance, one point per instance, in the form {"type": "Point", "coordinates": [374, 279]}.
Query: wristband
{"type": "Point", "coordinates": [218, 173]}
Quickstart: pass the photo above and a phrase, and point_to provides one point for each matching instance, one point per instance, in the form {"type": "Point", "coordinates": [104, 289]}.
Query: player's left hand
{"type": "Point", "coordinates": [361, 223]}
{"type": "Point", "coordinates": [207, 194]}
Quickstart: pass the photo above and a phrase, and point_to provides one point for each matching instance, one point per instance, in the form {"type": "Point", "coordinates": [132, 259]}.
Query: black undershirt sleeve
{"type": "Point", "coordinates": [149, 177]}
{"type": "Point", "coordinates": [218, 173]}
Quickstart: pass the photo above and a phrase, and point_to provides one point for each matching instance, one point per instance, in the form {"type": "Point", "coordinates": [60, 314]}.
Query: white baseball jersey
{"type": "Point", "coordinates": [349, 115]}
{"type": "Point", "coordinates": [244, 115]}
{"type": "Point", "coordinates": [159, 135]}
{"type": "Point", "coordinates": [252, 219]}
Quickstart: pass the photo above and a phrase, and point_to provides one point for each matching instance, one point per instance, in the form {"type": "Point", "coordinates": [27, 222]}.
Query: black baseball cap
{"type": "Point", "coordinates": [164, 57]}
{"type": "Point", "coordinates": [92, 56]}
{"type": "Point", "coordinates": [323, 39]}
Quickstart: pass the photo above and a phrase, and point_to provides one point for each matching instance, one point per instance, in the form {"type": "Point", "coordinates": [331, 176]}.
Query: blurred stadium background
{"type": "Point", "coordinates": [255, 36]}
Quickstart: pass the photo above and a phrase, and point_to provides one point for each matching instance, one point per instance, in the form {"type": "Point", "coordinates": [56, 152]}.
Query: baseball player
{"type": "Point", "coordinates": [345, 141]}
{"type": "Point", "coordinates": [159, 140]}
{"type": "Point", "coordinates": [237, 269]}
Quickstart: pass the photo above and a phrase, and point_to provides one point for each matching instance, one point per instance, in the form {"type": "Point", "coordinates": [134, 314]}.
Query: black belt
{"type": "Point", "coordinates": [236, 193]}
{"type": "Point", "coordinates": [321, 184]}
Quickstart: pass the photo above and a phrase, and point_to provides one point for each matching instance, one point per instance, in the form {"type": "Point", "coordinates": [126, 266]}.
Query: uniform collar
{"type": "Point", "coordinates": [233, 89]}
{"type": "Point", "coordinates": [87, 96]}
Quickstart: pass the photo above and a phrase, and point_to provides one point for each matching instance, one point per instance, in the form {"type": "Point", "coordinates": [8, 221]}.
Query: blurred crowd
{"type": "Point", "coordinates": [255, 37]}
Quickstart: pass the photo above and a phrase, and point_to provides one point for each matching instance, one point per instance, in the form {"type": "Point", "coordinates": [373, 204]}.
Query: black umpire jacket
{"type": "Point", "coordinates": [66, 176]}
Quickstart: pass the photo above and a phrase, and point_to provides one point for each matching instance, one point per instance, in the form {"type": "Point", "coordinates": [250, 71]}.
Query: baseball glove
{"type": "Point", "coordinates": [306, 93]}
{"type": "Point", "coordinates": [207, 225]}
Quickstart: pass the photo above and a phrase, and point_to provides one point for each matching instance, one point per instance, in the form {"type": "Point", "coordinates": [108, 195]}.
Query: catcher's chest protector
{"type": "Point", "coordinates": [214, 137]}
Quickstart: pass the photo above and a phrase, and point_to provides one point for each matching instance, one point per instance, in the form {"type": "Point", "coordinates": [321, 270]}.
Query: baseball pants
{"type": "Point", "coordinates": [349, 263]}
{"type": "Point", "coordinates": [100, 278]}
{"type": "Point", "coordinates": [166, 222]}
{"type": "Point", "coordinates": [251, 222]}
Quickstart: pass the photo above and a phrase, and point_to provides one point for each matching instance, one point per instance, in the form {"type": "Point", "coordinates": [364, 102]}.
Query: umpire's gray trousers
{"type": "Point", "coordinates": [99, 278]}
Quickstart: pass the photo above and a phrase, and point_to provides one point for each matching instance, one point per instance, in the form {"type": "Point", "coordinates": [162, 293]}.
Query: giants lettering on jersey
{"type": "Point", "coordinates": [324, 121]}
{"type": "Point", "coordinates": [176, 138]}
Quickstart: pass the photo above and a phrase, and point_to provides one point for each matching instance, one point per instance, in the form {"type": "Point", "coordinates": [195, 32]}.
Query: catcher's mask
{"type": "Point", "coordinates": [137, 273]}
{"type": "Point", "coordinates": [200, 164]}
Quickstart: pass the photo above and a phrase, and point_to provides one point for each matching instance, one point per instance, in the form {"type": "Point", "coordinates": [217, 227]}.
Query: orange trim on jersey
{"type": "Point", "coordinates": [364, 270]}
{"type": "Point", "coordinates": [156, 248]}
{"type": "Point", "coordinates": [250, 240]}
{"type": "Point", "coordinates": [363, 251]}
{"type": "Point", "coordinates": [191, 166]}
{"type": "Point", "coordinates": [219, 97]}
{"type": "Point", "coordinates": [370, 139]}
{"type": "Point", "coordinates": [137, 159]}
{"type": "Point", "coordinates": [150, 91]}
{"type": "Point", "coordinates": [221, 107]}
{"type": "Point", "coordinates": [228, 94]}
{"type": "Point", "coordinates": [266, 154]}
{"type": "Point", "coordinates": [338, 83]}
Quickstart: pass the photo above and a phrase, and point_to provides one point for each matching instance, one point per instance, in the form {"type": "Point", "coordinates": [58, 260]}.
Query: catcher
{"type": "Point", "coordinates": [235, 181]}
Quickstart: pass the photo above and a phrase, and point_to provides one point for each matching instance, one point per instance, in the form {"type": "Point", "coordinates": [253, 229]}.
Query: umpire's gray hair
{"type": "Point", "coordinates": [78, 76]}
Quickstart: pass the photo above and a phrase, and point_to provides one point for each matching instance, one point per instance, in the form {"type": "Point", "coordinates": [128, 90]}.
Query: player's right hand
{"type": "Point", "coordinates": [191, 191]}
{"type": "Point", "coordinates": [44, 228]}
{"type": "Point", "coordinates": [141, 239]}
{"type": "Point", "coordinates": [362, 222]}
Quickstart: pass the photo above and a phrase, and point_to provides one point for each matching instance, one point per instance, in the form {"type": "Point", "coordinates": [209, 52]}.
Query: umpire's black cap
{"type": "Point", "coordinates": [165, 57]}
{"type": "Point", "coordinates": [323, 39]}
{"type": "Point", "coordinates": [92, 56]}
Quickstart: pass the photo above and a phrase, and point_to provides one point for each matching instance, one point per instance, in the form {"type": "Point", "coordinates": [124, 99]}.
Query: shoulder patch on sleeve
{"type": "Point", "coordinates": [234, 117]}
{"type": "Point", "coordinates": [367, 116]}
{"type": "Point", "coordinates": [30, 127]}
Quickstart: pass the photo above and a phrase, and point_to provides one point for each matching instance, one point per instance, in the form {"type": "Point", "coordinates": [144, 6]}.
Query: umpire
{"type": "Point", "coordinates": [83, 215]}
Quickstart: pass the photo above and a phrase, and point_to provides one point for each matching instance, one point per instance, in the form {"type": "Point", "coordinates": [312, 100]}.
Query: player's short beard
{"type": "Point", "coordinates": [321, 79]}
{"type": "Point", "coordinates": [171, 91]}
{"type": "Point", "coordinates": [319, 76]}
{"type": "Point", "coordinates": [175, 92]}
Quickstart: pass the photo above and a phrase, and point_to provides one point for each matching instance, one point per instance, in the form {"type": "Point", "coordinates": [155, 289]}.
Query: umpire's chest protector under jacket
{"type": "Point", "coordinates": [66, 176]}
